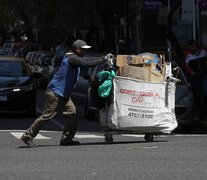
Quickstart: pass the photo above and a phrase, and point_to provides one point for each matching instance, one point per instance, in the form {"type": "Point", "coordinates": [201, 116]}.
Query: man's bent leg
{"type": "Point", "coordinates": [70, 125]}
{"type": "Point", "coordinates": [53, 104]}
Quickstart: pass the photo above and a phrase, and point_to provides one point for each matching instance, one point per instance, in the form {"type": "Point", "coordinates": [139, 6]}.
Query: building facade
{"type": "Point", "coordinates": [146, 23]}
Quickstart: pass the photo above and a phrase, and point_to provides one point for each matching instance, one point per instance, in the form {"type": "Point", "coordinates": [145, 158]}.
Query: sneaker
{"type": "Point", "coordinates": [68, 142]}
{"type": "Point", "coordinates": [28, 142]}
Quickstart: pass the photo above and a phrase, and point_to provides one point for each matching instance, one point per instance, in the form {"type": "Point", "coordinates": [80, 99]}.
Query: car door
{"type": "Point", "coordinates": [183, 96]}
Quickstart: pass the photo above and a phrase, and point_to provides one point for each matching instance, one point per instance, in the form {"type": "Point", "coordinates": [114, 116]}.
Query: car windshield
{"type": "Point", "coordinates": [13, 68]}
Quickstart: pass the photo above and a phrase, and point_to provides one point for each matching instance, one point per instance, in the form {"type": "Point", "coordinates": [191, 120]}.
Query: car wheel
{"type": "Point", "coordinates": [149, 137]}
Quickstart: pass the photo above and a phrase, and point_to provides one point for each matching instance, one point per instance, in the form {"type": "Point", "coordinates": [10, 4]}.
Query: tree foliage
{"type": "Point", "coordinates": [49, 21]}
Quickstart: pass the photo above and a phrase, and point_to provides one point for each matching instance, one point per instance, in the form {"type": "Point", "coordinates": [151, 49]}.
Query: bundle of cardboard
{"type": "Point", "coordinates": [144, 67]}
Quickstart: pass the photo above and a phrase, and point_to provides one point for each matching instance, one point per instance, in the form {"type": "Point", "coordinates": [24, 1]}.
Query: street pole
{"type": "Point", "coordinates": [194, 21]}
{"type": "Point", "coordinates": [127, 22]}
{"type": "Point", "coordinates": [169, 44]}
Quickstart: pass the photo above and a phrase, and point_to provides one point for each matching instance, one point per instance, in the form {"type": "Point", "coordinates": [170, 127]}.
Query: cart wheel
{"type": "Point", "coordinates": [149, 137]}
{"type": "Point", "coordinates": [108, 138]}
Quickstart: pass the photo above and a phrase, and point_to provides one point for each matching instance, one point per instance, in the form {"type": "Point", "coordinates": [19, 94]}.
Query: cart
{"type": "Point", "coordinates": [137, 107]}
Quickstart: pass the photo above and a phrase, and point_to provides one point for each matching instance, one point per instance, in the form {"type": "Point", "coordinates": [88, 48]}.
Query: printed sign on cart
{"type": "Point", "coordinates": [142, 105]}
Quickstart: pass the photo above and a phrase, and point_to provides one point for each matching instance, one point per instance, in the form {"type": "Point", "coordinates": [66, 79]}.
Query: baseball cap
{"type": "Point", "coordinates": [80, 44]}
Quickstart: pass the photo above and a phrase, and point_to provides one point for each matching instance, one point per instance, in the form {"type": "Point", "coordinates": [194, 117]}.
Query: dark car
{"type": "Point", "coordinates": [43, 65]}
{"type": "Point", "coordinates": [19, 49]}
{"type": "Point", "coordinates": [27, 48]}
{"type": "Point", "coordinates": [183, 101]}
{"type": "Point", "coordinates": [17, 86]}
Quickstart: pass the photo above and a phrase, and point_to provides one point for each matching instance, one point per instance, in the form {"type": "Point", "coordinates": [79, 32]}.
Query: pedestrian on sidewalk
{"type": "Point", "coordinates": [58, 94]}
{"type": "Point", "coordinates": [197, 79]}
{"type": "Point", "coordinates": [194, 53]}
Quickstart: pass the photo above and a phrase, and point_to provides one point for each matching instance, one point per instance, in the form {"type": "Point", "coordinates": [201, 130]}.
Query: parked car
{"type": "Point", "coordinates": [41, 62]}
{"type": "Point", "coordinates": [43, 65]}
{"type": "Point", "coordinates": [17, 86]}
{"type": "Point", "coordinates": [30, 59]}
{"type": "Point", "coordinates": [19, 49]}
{"type": "Point", "coordinates": [183, 101]}
{"type": "Point", "coordinates": [7, 49]}
{"type": "Point", "coordinates": [27, 48]}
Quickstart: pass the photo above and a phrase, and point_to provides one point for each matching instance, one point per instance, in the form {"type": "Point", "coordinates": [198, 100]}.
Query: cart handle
{"type": "Point", "coordinates": [169, 79]}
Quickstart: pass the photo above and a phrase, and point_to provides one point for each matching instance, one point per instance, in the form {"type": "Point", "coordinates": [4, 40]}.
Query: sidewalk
{"type": "Point", "coordinates": [196, 127]}
{"type": "Point", "coordinates": [201, 126]}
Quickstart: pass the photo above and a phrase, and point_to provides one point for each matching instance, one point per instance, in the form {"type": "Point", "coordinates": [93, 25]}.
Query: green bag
{"type": "Point", "coordinates": [105, 88]}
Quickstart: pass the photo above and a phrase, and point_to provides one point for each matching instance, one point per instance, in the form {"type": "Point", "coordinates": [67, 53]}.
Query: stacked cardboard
{"type": "Point", "coordinates": [139, 67]}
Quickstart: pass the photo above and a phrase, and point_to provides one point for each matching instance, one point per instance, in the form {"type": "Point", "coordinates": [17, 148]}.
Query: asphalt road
{"type": "Point", "coordinates": [130, 157]}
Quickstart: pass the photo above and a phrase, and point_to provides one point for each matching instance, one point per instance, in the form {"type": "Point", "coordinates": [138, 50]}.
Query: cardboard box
{"type": "Point", "coordinates": [156, 77]}
{"type": "Point", "coordinates": [142, 73]}
{"type": "Point", "coordinates": [122, 60]}
{"type": "Point", "coordinates": [136, 72]}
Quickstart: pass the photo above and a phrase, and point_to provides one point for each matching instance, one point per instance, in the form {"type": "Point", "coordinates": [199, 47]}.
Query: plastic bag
{"type": "Point", "coordinates": [105, 88]}
{"type": "Point", "coordinates": [149, 57]}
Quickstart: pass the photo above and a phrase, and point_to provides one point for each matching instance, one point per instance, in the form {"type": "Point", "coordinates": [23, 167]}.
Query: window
{"type": "Point", "coordinates": [13, 68]}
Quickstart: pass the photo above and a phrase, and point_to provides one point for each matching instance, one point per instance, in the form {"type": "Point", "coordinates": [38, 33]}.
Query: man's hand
{"type": "Point", "coordinates": [110, 58]}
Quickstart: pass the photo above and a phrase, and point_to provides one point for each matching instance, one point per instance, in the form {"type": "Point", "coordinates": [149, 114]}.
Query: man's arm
{"type": "Point", "coordinates": [79, 61]}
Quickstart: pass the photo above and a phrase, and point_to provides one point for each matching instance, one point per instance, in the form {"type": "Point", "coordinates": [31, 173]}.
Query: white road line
{"type": "Point", "coordinates": [19, 134]}
{"type": "Point", "coordinates": [39, 136]}
{"type": "Point", "coordinates": [190, 135]}
{"type": "Point", "coordinates": [134, 135]}
{"type": "Point", "coordinates": [79, 136]}
{"type": "Point", "coordinates": [16, 130]}
{"type": "Point", "coordinates": [145, 147]}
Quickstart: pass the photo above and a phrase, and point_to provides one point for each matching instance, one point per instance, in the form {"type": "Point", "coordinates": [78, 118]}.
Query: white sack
{"type": "Point", "coordinates": [141, 106]}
